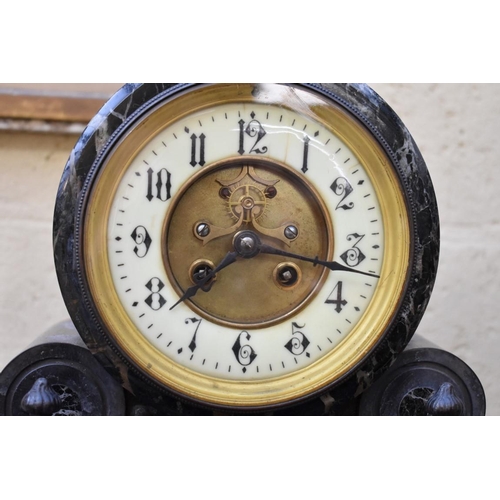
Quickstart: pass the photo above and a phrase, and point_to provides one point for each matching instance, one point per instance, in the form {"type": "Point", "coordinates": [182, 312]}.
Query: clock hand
{"type": "Point", "coordinates": [247, 245]}
{"type": "Point", "coordinates": [191, 291]}
{"type": "Point", "coordinates": [259, 247]}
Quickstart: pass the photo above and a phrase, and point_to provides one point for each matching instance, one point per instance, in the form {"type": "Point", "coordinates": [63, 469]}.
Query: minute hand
{"type": "Point", "coordinates": [332, 265]}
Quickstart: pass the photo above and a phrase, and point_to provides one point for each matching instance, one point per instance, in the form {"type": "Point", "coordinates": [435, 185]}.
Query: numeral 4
{"type": "Point", "coordinates": [335, 297]}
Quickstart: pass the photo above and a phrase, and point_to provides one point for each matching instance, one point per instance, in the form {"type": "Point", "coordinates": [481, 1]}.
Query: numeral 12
{"type": "Point", "coordinates": [253, 129]}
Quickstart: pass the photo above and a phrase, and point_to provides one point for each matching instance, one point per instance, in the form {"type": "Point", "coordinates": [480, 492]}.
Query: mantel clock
{"type": "Point", "coordinates": [246, 247]}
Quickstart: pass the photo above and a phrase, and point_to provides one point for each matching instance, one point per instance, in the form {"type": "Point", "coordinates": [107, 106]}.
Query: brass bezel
{"type": "Point", "coordinates": [322, 373]}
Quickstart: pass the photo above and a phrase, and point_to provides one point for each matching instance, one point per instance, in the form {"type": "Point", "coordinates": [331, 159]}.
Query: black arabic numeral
{"type": "Point", "coordinates": [195, 140]}
{"type": "Point", "coordinates": [342, 187]}
{"type": "Point", "coordinates": [255, 130]}
{"type": "Point", "coordinates": [241, 123]}
{"type": "Point", "coordinates": [306, 154]}
{"type": "Point", "coordinates": [353, 256]}
{"type": "Point", "coordinates": [338, 300]}
{"type": "Point", "coordinates": [142, 241]}
{"type": "Point", "coordinates": [299, 342]}
{"type": "Point", "coordinates": [155, 300]}
{"type": "Point", "coordinates": [192, 344]}
{"type": "Point", "coordinates": [149, 194]}
{"type": "Point", "coordinates": [163, 185]}
{"type": "Point", "coordinates": [244, 353]}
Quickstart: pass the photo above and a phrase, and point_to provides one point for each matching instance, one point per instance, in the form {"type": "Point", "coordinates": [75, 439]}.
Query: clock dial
{"type": "Point", "coordinates": [245, 246]}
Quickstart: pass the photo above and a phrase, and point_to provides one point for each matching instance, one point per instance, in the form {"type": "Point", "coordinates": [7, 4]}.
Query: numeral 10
{"type": "Point", "coordinates": [161, 189]}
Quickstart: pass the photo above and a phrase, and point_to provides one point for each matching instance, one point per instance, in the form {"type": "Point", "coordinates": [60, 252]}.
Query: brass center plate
{"type": "Point", "coordinates": [245, 294]}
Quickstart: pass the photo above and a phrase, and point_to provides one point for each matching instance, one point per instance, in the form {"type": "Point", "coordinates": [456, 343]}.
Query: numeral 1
{"type": "Point", "coordinates": [306, 154]}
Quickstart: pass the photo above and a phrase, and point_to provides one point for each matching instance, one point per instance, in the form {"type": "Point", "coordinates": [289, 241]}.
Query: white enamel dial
{"type": "Point", "coordinates": [266, 138]}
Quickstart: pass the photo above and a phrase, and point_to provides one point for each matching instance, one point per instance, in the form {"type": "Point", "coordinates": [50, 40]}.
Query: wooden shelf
{"type": "Point", "coordinates": [53, 102]}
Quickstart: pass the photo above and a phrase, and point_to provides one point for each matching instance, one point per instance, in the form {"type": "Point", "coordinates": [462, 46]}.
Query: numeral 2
{"type": "Point", "coordinates": [342, 187]}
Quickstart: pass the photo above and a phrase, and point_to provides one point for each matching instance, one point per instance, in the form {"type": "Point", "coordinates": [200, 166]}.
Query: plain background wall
{"type": "Point", "coordinates": [456, 126]}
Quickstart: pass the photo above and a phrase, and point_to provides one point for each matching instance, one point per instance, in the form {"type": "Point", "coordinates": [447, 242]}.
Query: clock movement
{"type": "Point", "coordinates": [246, 247]}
